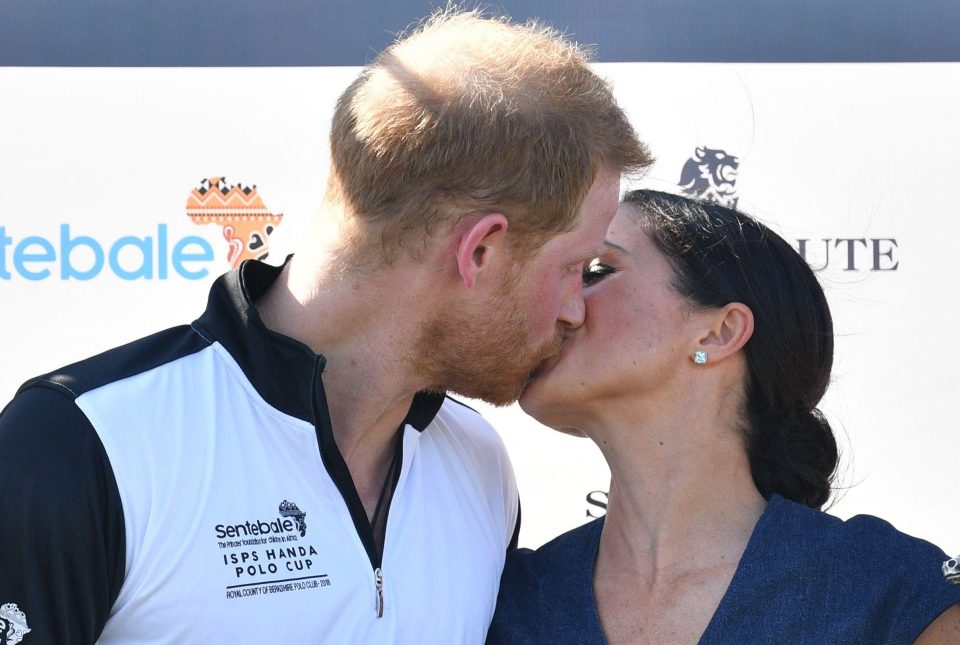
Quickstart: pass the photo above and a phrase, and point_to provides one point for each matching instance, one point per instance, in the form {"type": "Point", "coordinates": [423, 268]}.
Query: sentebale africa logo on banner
{"type": "Point", "coordinates": [247, 222]}
{"type": "Point", "coordinates": [74, 254]}
{"type": "Point", "coordinates": [711, 175]}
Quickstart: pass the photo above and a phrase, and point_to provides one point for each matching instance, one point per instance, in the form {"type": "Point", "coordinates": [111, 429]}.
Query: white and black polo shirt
{"type": "Point", "coordinates": [186, 488]}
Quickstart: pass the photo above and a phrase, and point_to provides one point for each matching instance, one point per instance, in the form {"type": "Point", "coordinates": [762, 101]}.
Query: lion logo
{"type": "Point", "coordinates": [711, 175]}
{"type": "Point", "coordinates": [13, 624]}
{"type": "Point", "coordinates": [246, 221]}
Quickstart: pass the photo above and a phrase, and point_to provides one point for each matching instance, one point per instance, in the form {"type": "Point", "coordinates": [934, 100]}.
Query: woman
{"type": "Point", "coordinates": [707, 346]}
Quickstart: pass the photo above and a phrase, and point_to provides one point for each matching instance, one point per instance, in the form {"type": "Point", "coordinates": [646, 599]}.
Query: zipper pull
{"type": "Point", "coordinates": [379, 578]}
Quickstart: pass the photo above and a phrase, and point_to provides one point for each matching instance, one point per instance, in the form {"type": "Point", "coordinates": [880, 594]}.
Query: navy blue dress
{"type": "Point", "coordinates": [805, 577]}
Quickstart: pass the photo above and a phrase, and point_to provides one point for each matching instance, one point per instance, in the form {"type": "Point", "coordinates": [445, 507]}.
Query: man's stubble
{"type": "Point", "coordinates": [484, 353]}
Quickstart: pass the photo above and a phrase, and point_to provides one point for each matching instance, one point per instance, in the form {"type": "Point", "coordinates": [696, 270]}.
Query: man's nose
{"type": "Point", "coordinates": [572, 308]}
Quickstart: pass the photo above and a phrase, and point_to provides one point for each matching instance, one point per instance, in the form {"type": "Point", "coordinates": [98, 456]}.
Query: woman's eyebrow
{"type": "Point", "coordinates": [615, 246]}
{"type": "Point", "coordinates": [591, 254]}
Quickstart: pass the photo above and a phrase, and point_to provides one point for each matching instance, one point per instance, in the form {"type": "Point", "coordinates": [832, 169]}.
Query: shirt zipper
{"type": "Point", "coordinates": [338, 471]}
{"type": "Point", "coordinates": [378, 574]}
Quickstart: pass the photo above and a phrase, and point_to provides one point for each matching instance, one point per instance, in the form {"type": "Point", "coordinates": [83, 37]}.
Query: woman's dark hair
{"type": "Point", "coordinates": [719, 256]}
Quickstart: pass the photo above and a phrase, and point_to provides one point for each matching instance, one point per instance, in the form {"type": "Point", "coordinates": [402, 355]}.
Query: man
{"type": "Point", "coordinates": [232, 480]}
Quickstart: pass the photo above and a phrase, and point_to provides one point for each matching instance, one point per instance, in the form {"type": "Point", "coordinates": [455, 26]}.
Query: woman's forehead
{"type": "Point", "coordinates": [626, 230]}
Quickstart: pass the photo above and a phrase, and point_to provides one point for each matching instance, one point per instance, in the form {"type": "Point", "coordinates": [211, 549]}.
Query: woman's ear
{"type": "Point", "coordinates": [475, 245]}
{"type": "Point", "coordinates": [730, 327]}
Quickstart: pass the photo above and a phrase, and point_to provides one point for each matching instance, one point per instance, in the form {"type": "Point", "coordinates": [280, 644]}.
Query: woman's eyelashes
{"type": "Point", "coordinates": [595, 271]}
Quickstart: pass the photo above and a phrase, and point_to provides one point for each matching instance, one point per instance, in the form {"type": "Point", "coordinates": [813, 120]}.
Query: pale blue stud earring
{"type": "Point", "coordinates": [700, 357]}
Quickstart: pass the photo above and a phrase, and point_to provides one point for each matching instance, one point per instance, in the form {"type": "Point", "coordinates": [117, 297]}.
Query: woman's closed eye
{"type": "Point", "coordinates": [596, 271]}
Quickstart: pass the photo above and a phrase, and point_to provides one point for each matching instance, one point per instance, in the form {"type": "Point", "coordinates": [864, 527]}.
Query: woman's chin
{"type": "Point", "coordinates": [546, 396]}
{"type": "Point", "coordinates": [528, 400]}
{"type": "Point", "coordinates": [541, 394]}
{"type": "Point", "coordinates": [542, 403]}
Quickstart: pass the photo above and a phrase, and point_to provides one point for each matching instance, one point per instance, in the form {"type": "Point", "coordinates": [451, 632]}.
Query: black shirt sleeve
{"type": "Point", "coordinates": [62, 546]}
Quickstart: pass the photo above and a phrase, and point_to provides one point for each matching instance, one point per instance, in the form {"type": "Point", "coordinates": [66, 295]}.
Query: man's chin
{"type": "Point", "coordinates": [506, 389]}
{"type": "Point", "coordinates": [503, 384]}
{"type": "Point", "coordinates": [499, 393]}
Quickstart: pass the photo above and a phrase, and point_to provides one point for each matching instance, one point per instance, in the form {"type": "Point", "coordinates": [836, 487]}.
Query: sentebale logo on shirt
{"type": "Point", "coordinates": [265, 557]}
{"type": "Point", "coordinates": [292, 519]}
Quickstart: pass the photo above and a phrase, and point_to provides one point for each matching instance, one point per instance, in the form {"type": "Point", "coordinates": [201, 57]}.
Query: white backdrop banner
{"type": "Point", "coordinates": [127, 191]}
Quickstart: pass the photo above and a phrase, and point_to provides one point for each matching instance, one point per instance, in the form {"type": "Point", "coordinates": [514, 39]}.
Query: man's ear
{"type": "Point", "coordinates": [475, 245]}
{"type": "Point", "coordinates": [731, 326]}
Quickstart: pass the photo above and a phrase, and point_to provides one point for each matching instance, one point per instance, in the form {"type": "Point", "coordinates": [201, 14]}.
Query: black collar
{"type": "Point", "coordinates": [280, 368]}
